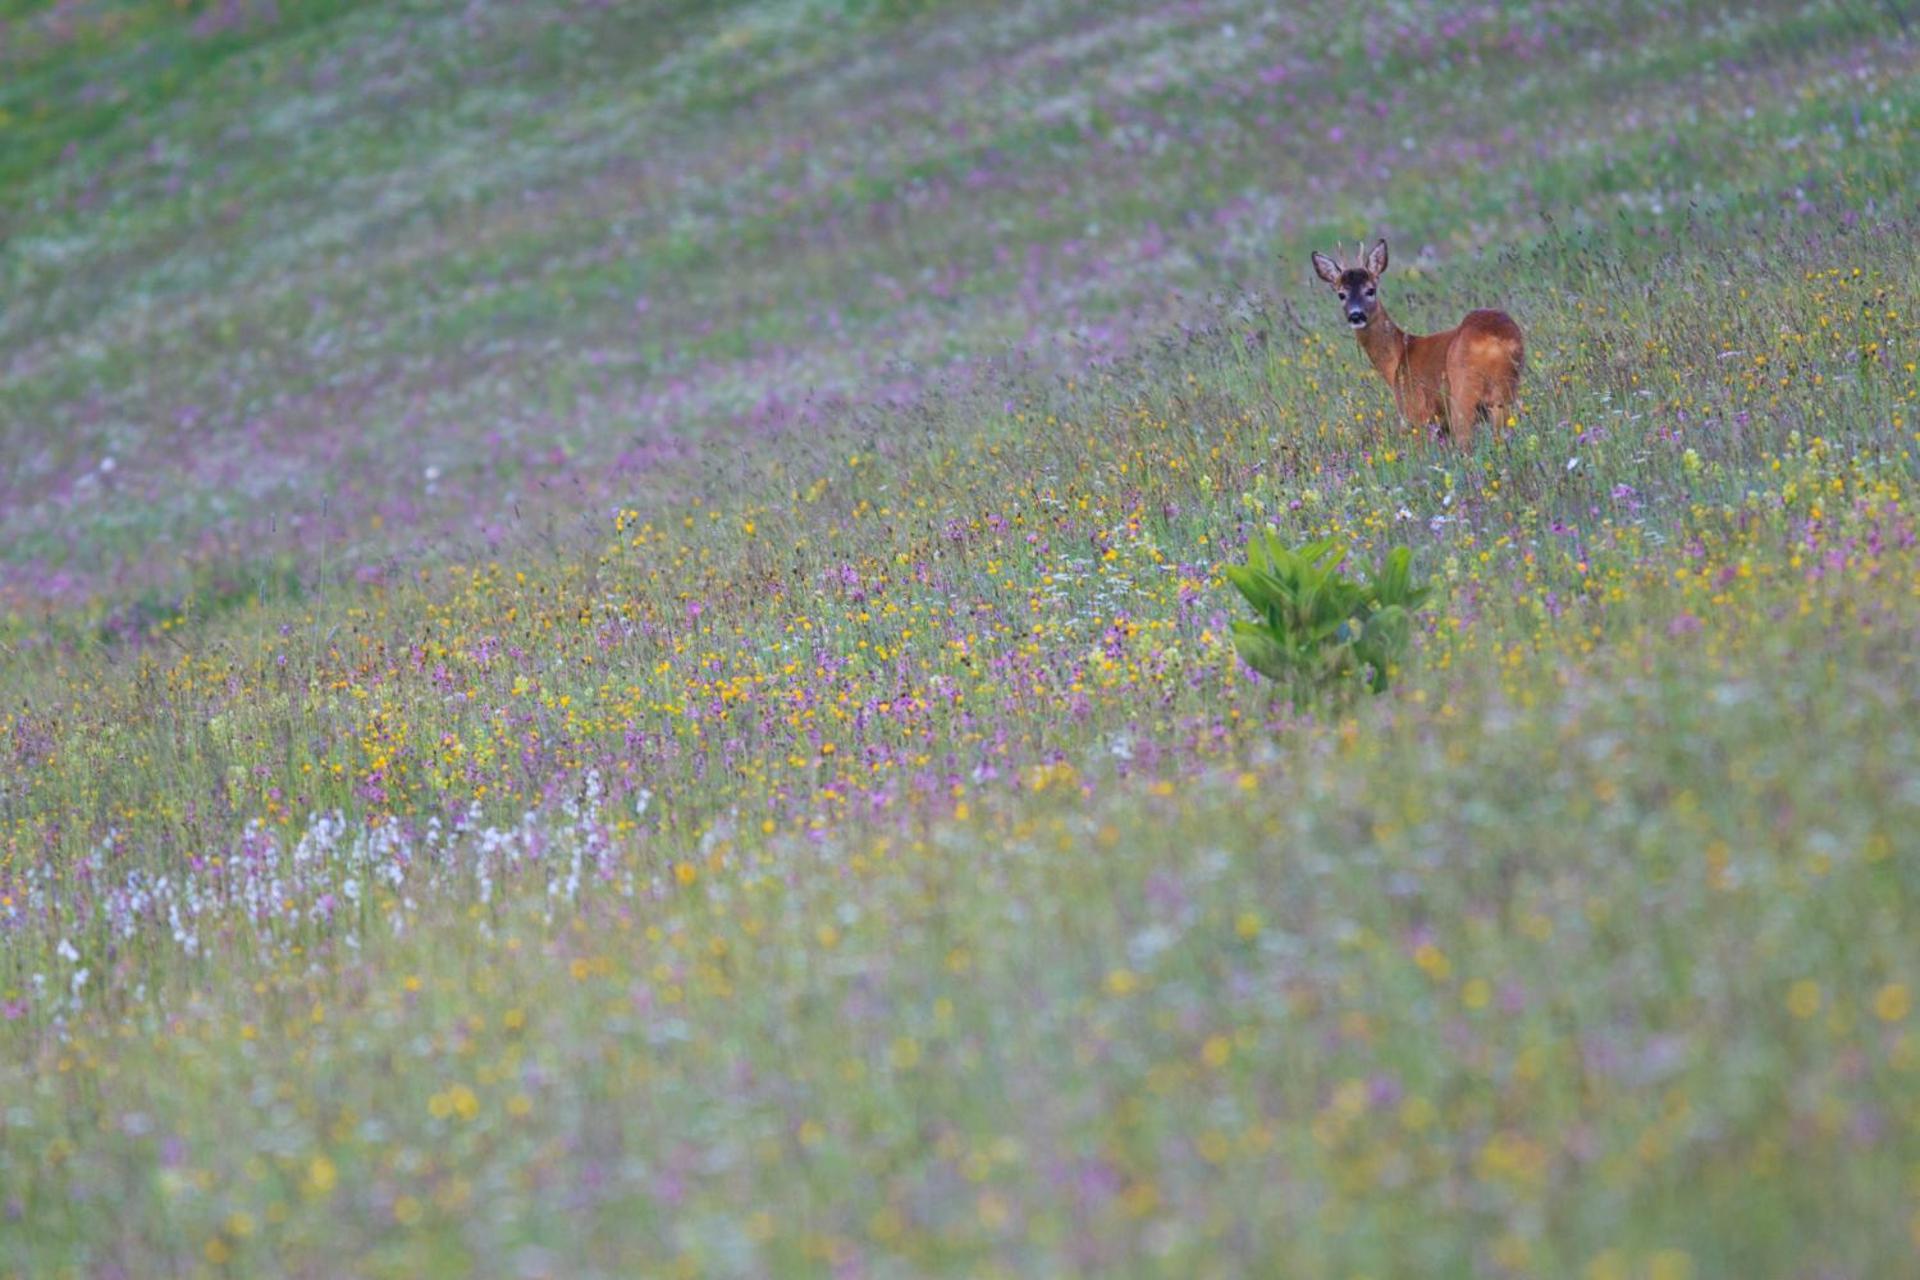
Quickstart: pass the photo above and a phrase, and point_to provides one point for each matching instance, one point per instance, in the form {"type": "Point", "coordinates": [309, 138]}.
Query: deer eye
{"type": "Point", "coordinates": [1369, 291]}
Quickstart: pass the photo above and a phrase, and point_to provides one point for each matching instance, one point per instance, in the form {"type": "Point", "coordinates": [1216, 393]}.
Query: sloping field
{"type": "Point", "coordinates": [615, 658]}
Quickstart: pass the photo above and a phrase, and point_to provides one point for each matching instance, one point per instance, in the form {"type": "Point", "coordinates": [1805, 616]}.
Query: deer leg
{"type": "Point", "coordinates": [1426, 412]}
{"type": "Point", "coordinates": [1463, 407]}
{"type": "Point", "coordinates": [1503, 397]}
{"type": "Point", "coordinates": [1422, 423]}
{"type": "Point", "coordinates": [1503, 401]}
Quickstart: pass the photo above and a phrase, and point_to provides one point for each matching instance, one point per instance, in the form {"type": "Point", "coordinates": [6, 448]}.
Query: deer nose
{"type": "Point", "coordinates": [1356, 316]}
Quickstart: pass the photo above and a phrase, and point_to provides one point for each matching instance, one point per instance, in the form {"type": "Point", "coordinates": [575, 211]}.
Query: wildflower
{"type": "Point", "coordinates": [905, 1053]}
{"type": "Point", "coordinates": [321, 1176]}
{"type": "Point", "coordinates": [886, 1225]}
{"type": "Point", "coordinates": [1433, 962]}
{"type": "Point", "coordinates": [1140, 1199]}
{"type": "Point", "coordinates": [1216, 1051]}
{"type": "Point", "coordinates": [1670, 1264]}
{"type": "Point", "coordinates": [1609, 1264]}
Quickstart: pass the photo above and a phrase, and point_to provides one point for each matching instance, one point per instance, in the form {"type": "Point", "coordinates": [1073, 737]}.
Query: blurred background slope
{"type": "Point", "coordinates": [288, 288]}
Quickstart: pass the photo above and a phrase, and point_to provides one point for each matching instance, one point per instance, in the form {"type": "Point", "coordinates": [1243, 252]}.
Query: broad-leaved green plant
{"type": "Point", "coordinates": [1317, 628]}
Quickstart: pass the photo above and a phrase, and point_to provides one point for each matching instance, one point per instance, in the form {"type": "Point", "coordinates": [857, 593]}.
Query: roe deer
{"type": "Point", "coordinates": [1455, 378]}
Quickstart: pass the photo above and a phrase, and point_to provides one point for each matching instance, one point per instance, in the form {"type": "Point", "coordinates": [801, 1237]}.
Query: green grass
{"type": "Point", "coordinates": [650, 686]}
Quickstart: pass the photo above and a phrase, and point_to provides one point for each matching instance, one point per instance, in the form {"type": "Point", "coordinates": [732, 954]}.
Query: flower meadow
{"type": "Point", "coordinates": [618, 658]}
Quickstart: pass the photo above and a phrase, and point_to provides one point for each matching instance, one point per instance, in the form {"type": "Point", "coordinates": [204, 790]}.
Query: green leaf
{"type": "Point", "coordinates": [1260, 651]}
{"type": "Point", "coordinates": [1390, 587]}
{"type": "Point", "coordinates": [1390, 629]}
{"type": "Point", "coordinates": [1262, 590]}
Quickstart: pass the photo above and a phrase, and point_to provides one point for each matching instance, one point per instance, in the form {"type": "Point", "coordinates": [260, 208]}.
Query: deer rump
{"type": "Point", "coordinates": [1463, 374]}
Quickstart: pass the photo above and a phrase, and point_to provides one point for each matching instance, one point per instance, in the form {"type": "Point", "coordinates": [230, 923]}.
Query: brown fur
{"type": "Point", "coordinates": [1454, 378]}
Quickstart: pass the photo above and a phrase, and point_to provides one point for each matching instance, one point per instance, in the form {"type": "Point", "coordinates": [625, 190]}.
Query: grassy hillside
{"type": "Point", "coordinates": [616, 658]}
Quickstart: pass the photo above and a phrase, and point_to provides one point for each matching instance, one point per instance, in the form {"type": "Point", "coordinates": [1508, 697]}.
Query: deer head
{"type": "Point", "coordinates": [1357, 287]}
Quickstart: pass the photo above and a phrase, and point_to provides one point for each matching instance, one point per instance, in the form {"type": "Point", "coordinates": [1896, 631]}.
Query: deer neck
{"type": "Point", "coordinates": [1386, 344]}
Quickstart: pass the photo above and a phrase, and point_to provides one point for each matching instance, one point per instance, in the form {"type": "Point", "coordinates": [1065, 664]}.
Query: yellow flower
{"type": "Point", "coordinates": [1891, 1002]}
{"type": "Point", "coordinates": [886, 1225]}
{"type": "Point", "coordinates": [1608, 1265]}
{"type": "Point", "coordinates": [1140, 1199]}
{"type": "Point", "coordinates": [1670, 1264]}
{"type": "Point", "coordinates": [321, 1176]}
{"type": "Point", "coordinates": [1123, 982]}
{"type": "Point", "coordinates": [1803, 998]}
{"type": "Point", "coordinates": [905, 1054]}
{"type": "Point", "coordinates": [1433, 961]}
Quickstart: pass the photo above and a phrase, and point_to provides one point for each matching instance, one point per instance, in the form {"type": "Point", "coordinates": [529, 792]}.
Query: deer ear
{"type": "Point", "coordinates": [1377, 259]}
{"type": "Point", "coordinates": [1326, 268]}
